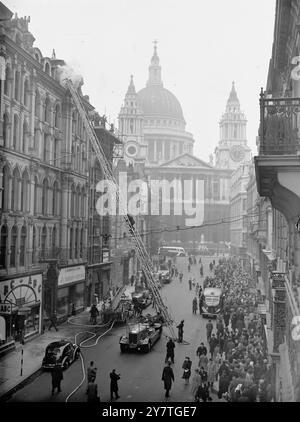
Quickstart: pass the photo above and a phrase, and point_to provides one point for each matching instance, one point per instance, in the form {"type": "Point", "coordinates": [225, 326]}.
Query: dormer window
{"type": "Point", "coordinates": [47, 69]}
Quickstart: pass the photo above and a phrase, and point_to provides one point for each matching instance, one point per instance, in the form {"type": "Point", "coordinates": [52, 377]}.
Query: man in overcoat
{"type": "Point", "coordinates": [168, 378]}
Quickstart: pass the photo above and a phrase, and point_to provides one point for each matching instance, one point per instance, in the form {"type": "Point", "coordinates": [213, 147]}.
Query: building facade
{"type": "Point", "coordinates": [277, 174]}
{"type": "Point", "coordinates": [45, 174]}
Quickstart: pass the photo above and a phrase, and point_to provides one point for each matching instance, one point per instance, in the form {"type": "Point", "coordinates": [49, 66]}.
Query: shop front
{"type": "Point", "coordinates": [20, 310]}
{"type": "Point", "coordinates": [70, 291]}
{"type": "Point", "coordinates": [99, 286]}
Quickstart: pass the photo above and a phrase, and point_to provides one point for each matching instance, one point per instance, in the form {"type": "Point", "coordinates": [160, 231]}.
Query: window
{"type": "Point", "coordinates": [26, 93]}
{"type": "Point", "coordinates": [5, 129]}
{"type": "Point", "coordinates": [47, 69]}
{"type": "Point", "coordinates": [131, 125]}
{"type": "Point", "coordinates": [23, 246]}
{"type": "Point", "coordinates": [55, 199]}
{"type": "Point", "coordinates": [7, 82]}
{"type": "Point", "coordinates": [3, 246]}
{"type": "Point", "coordinates": [81, 243]}
{"type": "Point", "coordinates": [36, 199]}
{"type": "Point", "coordinates": [76, 242]}
{"type": "Point", "coordinates": [54, 235]}
{"type": "Point", "coordinates": [45, 197]}
{"type": "Point", "coordinates": [45, 152]}
{"type": "Point", "coordinates": [15, 190]}
{"type": "Point", "coordinates": [17, 86]}
{"type": "Point", "coordinates": [82, 210]}
{"type": "Point", "coordinates": [57, 116]}
{"type": "Point", "coordinates": [24, 192]}
{"type": "Point", "coordinates": [15, 132]}
{"type": "Point", "coordinates": [73, 123]}
{"type": "Point", "coordinates": [13, 246]}
{"type": "Point", "coordinates": [56, 152]}
{"type": "Point", "coordinates": [73, 195]}
{"type": "Point", "coordinates": [34, 245]}
{"type": "Point", "coordinates": [47, 110]}
{"type": "Point", "coordinates": [37, 104]}
{"type": "Point", "coordinates": [44, 242]}
{"type": "Point", "coordinates": [71, 243]}
{"type": "Point", "coordinates": [25, 135]}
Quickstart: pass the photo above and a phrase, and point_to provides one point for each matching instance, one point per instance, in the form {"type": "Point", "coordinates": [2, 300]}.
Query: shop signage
{"type": "Point", "coordinates": [5, 308]}
{"type": "Point", "coordinates": [277, 280]}
{"type": "Point", "coordinates": [21, 289]}
{"type": "Point", "coordinates": [71, 274]}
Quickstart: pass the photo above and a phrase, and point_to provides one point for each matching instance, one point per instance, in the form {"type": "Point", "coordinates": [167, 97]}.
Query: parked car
{"type": "Point", "coordinates": [60, 352]}
{"type": "Point", "coordinates": [140, 337]}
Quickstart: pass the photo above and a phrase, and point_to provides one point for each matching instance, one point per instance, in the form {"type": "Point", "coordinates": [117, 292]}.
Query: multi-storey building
{"type": "Point", "coordinates": [238, 209]}
{"type": "Point", "coordinates": [277, 174]}
{"type": "Point", "coordinates": [45, 172]}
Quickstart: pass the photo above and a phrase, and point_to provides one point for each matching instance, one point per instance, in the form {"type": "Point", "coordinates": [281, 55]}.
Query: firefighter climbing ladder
{"type": "Point", "coordinates": [139, 246]}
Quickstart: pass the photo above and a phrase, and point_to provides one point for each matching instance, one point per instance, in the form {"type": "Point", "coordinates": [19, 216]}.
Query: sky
{"type": "Point", "coordinates": [203, 46]}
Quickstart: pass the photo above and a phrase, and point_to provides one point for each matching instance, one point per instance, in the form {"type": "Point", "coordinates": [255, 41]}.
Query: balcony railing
{"type": "Point", "coordinates": [61, 254]}
{"type": "Point", "coordinates": [279, 126]}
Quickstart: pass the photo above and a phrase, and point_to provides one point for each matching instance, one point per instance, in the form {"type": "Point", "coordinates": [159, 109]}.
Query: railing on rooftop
{"type": "Point", "coordinates": [279, 126]}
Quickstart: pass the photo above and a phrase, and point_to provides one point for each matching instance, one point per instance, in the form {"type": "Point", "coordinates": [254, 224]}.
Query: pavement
{"type": "Point", "coordinates": [13, 374]}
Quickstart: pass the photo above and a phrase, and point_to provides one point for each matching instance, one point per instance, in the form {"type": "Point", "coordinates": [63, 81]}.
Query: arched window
{"type": "Point", "coordinates": [78, 200]}
{"type": "Point", "coordinates": [57, 116]}
{"type": "Point", "coordinates": [23, 246]}
{"type": "Point", "coordinates": [56, 152]}
{"type": "Point", "coordinates": [81, 243]}
{"type": "Point", "coordinates": [37, 57]}
{"type": "Point", "coordinates": [3, 246]}
{"type": "Point", "coordinates": [34, 244]}
{"type": "Point", "coordinates": [83, 198]}
{"type": "Point", "coordinates": [77, 158]}
{"type": "Point", "coordinates": [55, 199]}
{"type": "Point", "coordinates": [37, 104]}
{"type": "Point", "coordinates": [44, 242]}
{"type": "Point", "coordinates": [73, 123]}
{"type": "Point", "coordinates": [16, 181]}
{"type": "Point", "coordinates": [73, 195]}
{"type": "Point", "coordinates": [71, 243]}
{"type": "Point", "coordinates": [24, 192]}
{"type": "Point", "coordinates": [36, 140]}
{"type": "Point", "coordinates": [26, 93]}
{"type": "Point", "coordinates": [46, 148]}
{"type": "Point", "coordinates": [45, 197]}
{"type": "Point", "coordinates": [54, 236]}
{"type": "Point", "coordinates": [15, 132]}
{"type": "Point", "coordinates": [25, 136]}
{"type": "Point", "coordinates": [17, 86]}
{"type": "Point", "coordinates": [47, 110]}
{"type": "Point", "coordinates": [13, 246]}
{"type": "Point", "coordinates": [76, 243]}
{"type": "Point", "coordinates": [5, 130]}
{"type": "Point", "coordinates": [7, 82]}
{"type": "Point", "coordinates": [36, 196]}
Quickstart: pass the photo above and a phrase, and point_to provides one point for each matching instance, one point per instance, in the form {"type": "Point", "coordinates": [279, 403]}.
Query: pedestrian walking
{"type": "Point", "coordinates": [199, 262]}
{"type": "Point", "coordinates": [170, 351]}
{"type": "Point", "coordinates": [203, 374]}
{"type": "Point", "coordinates": [57, 377]}
{"type": "Point", "coordinates": [180, 277]}
{"type": "Point", "coordinates": [195, 305]}
{"type": "Point", "coordinates": [190, 283]}
{"type": "Point", "coordinates": [180, 331]}
{"type": "Point", "coordinates": [212, 372]}
{"type": "Point", "coordinates": [202, 350]}
{"type": "Point", "coordinates": [201, 270]}
{"type": "Point", "coordinates": [203, 393]}
{"type": "Point", "coordinates": [186, 366]}
{"type": "Point", "coordinates": [92, 393]}
{"type": "Point", "coordinates": [168, 378]}
{"type": "Point", "coordinates": [94, 313]}
{"type": "Point", "coordinates": [196, 381]}
{"type": "Point", "coordinates": [91, 372]}
{"type": "Point", "coordinates": [114, 388]}
{"type": "Point", "coordinates": [213, 342]}
{"type": "Point", "coordinates": [189, 267]}
{"type": "Point", "coordinates": [132, 280]}
{"type": "Point", "coordinates": [53, 321]}
{"type": "Point", "coordinates": [209, 328]}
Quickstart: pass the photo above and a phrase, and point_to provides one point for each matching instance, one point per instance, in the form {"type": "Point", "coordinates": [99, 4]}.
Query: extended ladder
{"type": "Point", "coordinates": [133, 233]}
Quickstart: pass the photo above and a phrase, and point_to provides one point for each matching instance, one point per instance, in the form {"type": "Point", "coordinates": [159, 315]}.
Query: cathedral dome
{"type": "Point", "coordinates": [155, 100]}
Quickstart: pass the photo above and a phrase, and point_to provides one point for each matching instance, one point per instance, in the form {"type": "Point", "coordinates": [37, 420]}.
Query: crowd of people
{"type": "Point", "coordinates": [234, 363]}
{"type": "Point", "coordinates": [238, 356]}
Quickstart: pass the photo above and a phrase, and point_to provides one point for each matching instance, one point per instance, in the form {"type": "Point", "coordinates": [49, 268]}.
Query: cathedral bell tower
{"type": "Point", "coordinates": [232, 149]}
{"type": "Point", "coordinates": [131, 127]}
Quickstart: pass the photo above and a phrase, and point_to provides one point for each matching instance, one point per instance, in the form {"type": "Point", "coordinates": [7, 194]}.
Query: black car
{"type": "Point", "coordinates": [60, 352]}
